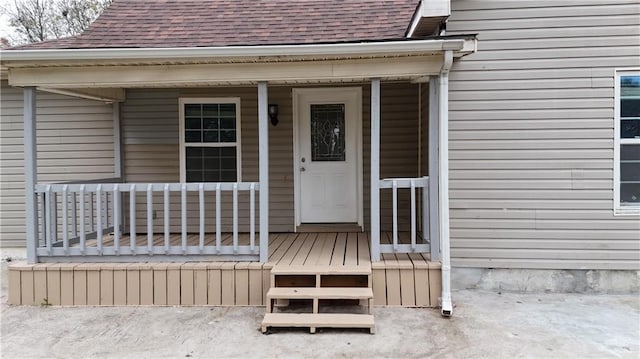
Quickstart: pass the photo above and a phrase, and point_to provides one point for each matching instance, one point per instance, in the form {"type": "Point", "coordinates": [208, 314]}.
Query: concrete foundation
{"type": "Point", "coordinates": [547, 280]}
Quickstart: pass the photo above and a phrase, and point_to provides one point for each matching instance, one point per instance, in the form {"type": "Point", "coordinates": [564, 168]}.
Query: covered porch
{"type": "Point", "coordinates": [124, 220]}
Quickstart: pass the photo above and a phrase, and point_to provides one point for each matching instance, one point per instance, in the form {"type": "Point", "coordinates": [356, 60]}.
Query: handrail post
{"type": "Point", "coordinates": [375, 170]}
{"type": "Point", "coordinates": [30, 173]}
{"type": "Point", "coordinates": [263, 139]}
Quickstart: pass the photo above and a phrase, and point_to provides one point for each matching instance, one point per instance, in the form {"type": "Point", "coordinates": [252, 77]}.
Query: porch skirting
{"type": "Point", "coordinates": [396, 282]}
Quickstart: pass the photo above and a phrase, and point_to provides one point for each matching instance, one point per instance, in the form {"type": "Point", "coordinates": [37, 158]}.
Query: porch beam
{"type": "Point", "coordinates": [112, 76]}
{"type": "Point", "coordinates": [434, 164]}
{"type": "Point", "coordinates": [375, 170]}
{"type": "Point", "coordinates": [263, 140]}
{"type": "Point", "coordinates": [30, 173]}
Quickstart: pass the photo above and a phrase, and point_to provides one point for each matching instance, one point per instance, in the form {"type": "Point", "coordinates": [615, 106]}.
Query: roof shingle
{"type": "Point", "coordinates": [190, 23]}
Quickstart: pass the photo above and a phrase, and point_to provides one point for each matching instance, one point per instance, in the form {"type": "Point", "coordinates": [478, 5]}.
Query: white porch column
{"type": "Point", "coordinates": [30, 173]}
{"type": "Point", "coordinates": [263, 139]}
{"type": "Point", "coordinates": [434, 164]}
{"type": "Point", "coordinates": [375, 170]}
{"type": "Point", "coordinates": [443, 102]}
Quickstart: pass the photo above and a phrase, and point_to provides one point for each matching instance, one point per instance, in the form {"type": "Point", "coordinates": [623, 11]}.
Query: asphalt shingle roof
{"type": "Point", "coordinates": [190, 23]}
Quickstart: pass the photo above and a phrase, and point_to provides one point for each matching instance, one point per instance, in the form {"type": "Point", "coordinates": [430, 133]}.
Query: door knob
{"type": "Point", "coordinates": [302, 169]}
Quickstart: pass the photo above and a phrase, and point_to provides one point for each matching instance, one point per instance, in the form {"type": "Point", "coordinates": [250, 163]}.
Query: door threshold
{"type": "Point", "coordinates": [328, 227]}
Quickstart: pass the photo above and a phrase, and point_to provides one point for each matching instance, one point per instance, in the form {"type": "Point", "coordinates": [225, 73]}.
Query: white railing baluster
{"type": "Point", "coordinates": [201, 203]}
{"type": "Point", "coordinates": [65, 219]}
{"type": "Point", "coordinates": [83, 232]}
{"type": "Point", "coordinates": [115, 198]}
{"type": "Point", "coordinates": [54, 218]}
{"type": "Point", "coordinates": [105, 210]}
{"type": "Point", "coordinates": [395, 215]}
{"type": "Point", "coordinates": [413, 215]}
{"type": "Point", "coordinates": [183, 209]}
{"type": "Point", "coordinates": [235, 218]}
{"type": "Point", "coordinates": [74, 216]}
{"type": "Point", "coordinates": [43, 223]}
{"type": "Point", "coordinates": [132, 220]}
{"type": "Point", "coordinates": [252, 217]}
{"type": "Point", "coordinates": [150, 219]}
{"type": "Point", "coordinates": [48, 220]}
{"type": "Point", "coordinates": [91, 212]}
{"type": "Point", "coordinates": [99, 217]}
{"type": "Point", "coordinates": [425, 211]}
{"type": "Point", "coordinates": [218, 219]}
{"type": "Point", "coordinates": [167, 233]}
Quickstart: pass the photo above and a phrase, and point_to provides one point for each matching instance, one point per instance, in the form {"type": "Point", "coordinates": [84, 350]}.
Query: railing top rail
{"type": "Point", "coordinates": [144, 187]}
{"type": "Point", "coordinates": [418, 182]}
{"type": "Point", "coordinates": [101, 180]}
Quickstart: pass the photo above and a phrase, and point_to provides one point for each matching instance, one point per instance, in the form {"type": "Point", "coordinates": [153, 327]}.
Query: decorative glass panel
{"type": "Point", "coordinates": [211, 164]}
{"type": "Point", "coordinates": [327, 132]}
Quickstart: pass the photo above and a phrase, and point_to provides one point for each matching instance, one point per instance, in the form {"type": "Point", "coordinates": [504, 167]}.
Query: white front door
{"type": "Point", "coordinates": [328, 149]}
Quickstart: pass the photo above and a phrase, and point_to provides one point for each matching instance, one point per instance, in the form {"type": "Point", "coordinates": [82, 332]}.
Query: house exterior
{"type": "Point", "coordinates": [430, 134]}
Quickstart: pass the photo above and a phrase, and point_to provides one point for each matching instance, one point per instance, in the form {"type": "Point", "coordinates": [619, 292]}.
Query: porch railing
{"type": "Point", "coordinates": [75, 218]}
{"type": "Point", "coordinates": [412, 184]}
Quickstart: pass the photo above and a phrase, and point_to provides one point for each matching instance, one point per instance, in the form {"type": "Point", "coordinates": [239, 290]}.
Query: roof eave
{"type": "Point", "coordinates": [385, 48]}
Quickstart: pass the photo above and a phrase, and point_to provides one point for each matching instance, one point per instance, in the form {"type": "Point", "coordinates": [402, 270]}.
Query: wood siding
{"type": "Point", "coordinates": [150, 137]}
{"type": "Point", "coordinates": [75, 142]}
{"type": "Point", "coordinates": [531, 129]}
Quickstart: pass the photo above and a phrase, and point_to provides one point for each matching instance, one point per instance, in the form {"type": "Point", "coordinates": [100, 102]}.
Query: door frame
{"type": "Point", "coordinates": [346, 92]}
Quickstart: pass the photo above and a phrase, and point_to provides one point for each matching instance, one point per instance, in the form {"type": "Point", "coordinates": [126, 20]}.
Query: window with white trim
{"type": "Point", "coordinates": [210, 140]}
{"type": "Point", "coordinates": [627, 142]}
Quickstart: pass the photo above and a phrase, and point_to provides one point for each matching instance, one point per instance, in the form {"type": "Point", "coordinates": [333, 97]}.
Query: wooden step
{"type": "Point", "coordinates": [322, 270]}
{"type": "Point", "coordinates": [321, 320]}
{"type": "Point", "coordinates": [319, 293]}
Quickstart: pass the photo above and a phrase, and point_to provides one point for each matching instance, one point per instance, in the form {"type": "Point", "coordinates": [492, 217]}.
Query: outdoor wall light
{"type": "Point", "coordinates": [273, 114]}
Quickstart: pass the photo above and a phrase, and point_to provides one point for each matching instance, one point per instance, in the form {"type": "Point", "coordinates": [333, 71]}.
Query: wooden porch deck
{"type": "Point", "coordinates": [409, 280]}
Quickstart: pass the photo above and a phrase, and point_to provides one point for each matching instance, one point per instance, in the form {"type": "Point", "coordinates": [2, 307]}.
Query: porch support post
{"type": "Point", "coordinates": [443, 96]}
{"type": "Point", "coordinates": [30, 173]}
{"type": "Point", "coordinates": [263, 139]}
{"type": "Point", "coordinates": [433, 149]}
{"type": "Point", "coordinates": [375, 170]}
{"type": "Point", "coordinates": [117, 162]}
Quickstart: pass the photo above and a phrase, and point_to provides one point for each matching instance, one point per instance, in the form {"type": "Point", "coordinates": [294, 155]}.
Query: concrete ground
{"type": "Point", "coordinates": [484, 325]}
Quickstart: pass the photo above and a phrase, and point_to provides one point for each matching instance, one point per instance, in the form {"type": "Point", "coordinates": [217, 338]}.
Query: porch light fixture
{"type": "Point", "coordinates": [273, 114]}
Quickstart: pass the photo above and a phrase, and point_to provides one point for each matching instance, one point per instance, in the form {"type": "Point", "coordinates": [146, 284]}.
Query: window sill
{"type": "Point", "coordinates": [628, 211]}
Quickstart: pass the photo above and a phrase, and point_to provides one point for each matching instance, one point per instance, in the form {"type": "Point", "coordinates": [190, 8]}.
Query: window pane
{"type": "Point", "coordinates": [212, 176]}
{"type": "Point", "coordinates": [194, 163]}
{"type": "Point", "coordinates": [629, 86]}
{"type": "Point", "coordinates": [227, 136]}
{"type": "Point", "coordinates": [630, 129]}
{"type": "Point", "coordinates": [210, 136]}
{"type": "Point", "coordinates": [192, 110]}
{"type": "Point", "coordinates": [630, 193]}
{"type": "Point", "coordinates": [629, 171]}
{"type": "Point", "coordinates": [210, 123]}
{"type": "Point", "coordinates": [194, 176]}
{"type": "Point", "coordinates": [193, 136]}
{"type": "Point", "coordinates": [192, 123]}
{"type": "Point", "coordinates": [228, 151]}
{"type": "Point", "coordinates": [228, 110]}
{"type": "Point", "coordinates": [228, 123]}
{"type": "Point", "coordinates": [630, 107]}
{"type": "Point", "coordinates": [210, 110]}
{"type": "Point", "coordinates": [630, 153]}
{"type": "Point", "coordinates": [327, 132]}
{"type": "Point", "coordinates": [228, 176]}
{"type": "Point", "coordinates": [228, 163]}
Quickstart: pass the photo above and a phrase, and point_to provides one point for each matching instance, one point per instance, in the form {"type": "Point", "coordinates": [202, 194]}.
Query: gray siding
{"type": "Point", "coordinates": [150, 135]}
{"type": "Point", "coordinates": [531, 129]}
{"type": "Point", "coordinates": [75, 142]}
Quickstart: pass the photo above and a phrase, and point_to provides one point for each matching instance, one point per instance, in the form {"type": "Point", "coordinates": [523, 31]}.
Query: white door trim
{"type": "Point", "coordinates": [346, 91]}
